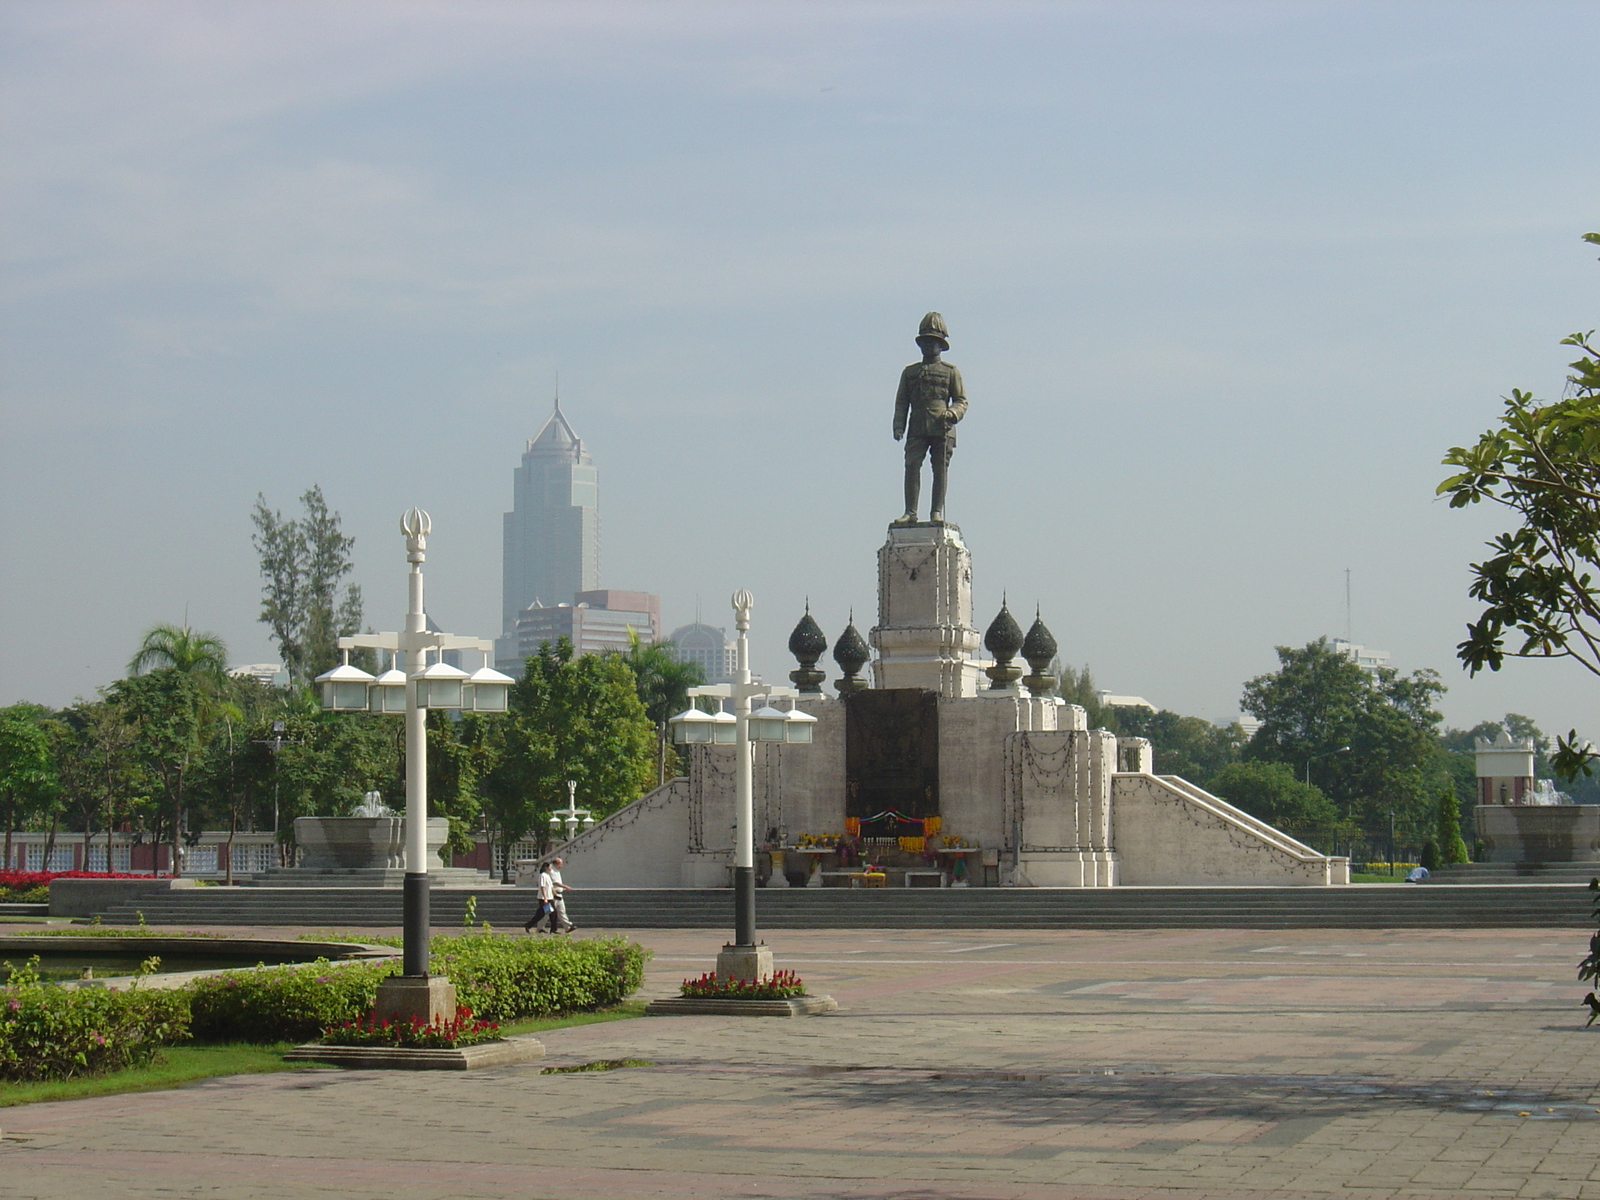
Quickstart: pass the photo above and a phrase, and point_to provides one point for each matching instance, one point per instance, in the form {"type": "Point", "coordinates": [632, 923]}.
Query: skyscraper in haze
{"type": "Point", "coordinates": [552, 533]}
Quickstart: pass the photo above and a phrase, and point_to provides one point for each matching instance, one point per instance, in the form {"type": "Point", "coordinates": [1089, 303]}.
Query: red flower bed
{"type": "Point", "coordinates": [780, 985]}
{"type": "Point", "coordinates": [463, 1030]}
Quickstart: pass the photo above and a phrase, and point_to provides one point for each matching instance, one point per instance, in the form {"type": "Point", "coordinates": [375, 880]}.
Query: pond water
{"type": "Point", "coordinates": [70, 963]}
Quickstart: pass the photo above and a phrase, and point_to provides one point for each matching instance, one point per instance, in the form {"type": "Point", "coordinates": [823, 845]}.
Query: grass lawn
{"type": "Point", "coordinates": [178, 1065]}
{"type": "Point", "coordinates": [185, 1064]}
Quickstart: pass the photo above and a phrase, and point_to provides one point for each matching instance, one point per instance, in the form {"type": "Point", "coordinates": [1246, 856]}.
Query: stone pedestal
{"type": "Point", "coordinates": [428, 998]}
{"type": "Point", "coordinates": [924, 636]}
{"type": "Point", "coordinates": [1518, 833]}
{"type": "Point", "coordinates": [744, 962]}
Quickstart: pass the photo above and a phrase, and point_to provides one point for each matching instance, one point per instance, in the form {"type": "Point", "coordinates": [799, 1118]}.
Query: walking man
{"type": "Point", "coordinates": [546, 902]}
{"type": "Point", "coordinates": [558, 891]}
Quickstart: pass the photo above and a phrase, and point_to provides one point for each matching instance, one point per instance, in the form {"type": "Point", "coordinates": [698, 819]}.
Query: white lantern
{"type": "Point", "coordinates": [440, 686]}
{"type": "Point", "coordinates": [767, 725]}
{"type": "Point", "coordinates": [798, 726]}
{"type": "Point", "coordinates": [726, 728]}
{"type": "Point", "coordinates": [388, 692]}
{"type": "Point", "coordinates": [692, 727]}
{"type": "Point", "coordinates": [344, 689]}
{"type": "Point", "coordinates": [487, 691]}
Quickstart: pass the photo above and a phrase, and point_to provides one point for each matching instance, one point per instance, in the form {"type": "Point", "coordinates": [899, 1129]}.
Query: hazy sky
{"type": "Point", "coordinates": [1224, 280]}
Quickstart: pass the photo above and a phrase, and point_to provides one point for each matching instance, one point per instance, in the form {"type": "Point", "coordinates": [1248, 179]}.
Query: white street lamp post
{"type": "Point", "coordinates": [348, 689]}
{"type": "Point", "coordinates": [571, 814]}
{"type": "Point", "coordinates": [743, 959]}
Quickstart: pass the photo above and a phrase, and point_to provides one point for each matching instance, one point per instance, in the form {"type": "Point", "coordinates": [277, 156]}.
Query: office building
{"type": "Point", "coordinates": [596, 622]}
{"type": "Point", "coordinates": [710, 647]}
{"type": "Point", "coordinates": [552, 533]}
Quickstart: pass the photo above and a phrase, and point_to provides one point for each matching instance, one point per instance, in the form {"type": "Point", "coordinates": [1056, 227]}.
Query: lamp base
{"type": "Point", "coordinates": [745, 962]}
{"type": "Point", "coordinates": [430, 999]}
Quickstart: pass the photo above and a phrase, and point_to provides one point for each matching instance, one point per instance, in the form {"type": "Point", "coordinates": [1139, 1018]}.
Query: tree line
{"type": "Point", "coordinates": [179, 744]}
{"type": "Point", "coordinates": [1342, 757]}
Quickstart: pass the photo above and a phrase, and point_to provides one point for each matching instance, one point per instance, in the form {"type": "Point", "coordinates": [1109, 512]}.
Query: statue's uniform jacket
{"type": "Point", "coordinates": [930, 401]}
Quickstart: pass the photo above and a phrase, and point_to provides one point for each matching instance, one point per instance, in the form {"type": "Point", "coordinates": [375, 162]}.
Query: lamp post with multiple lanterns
{"type": "Point", "coordinates": [413, 691]}
{"type": "Point", "coordinates": [571, 815]}
{"type": "Point", "coordinates": [743, 959]}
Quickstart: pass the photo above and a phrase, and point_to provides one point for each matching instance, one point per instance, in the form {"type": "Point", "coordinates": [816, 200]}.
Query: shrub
{"type": "Point", "coordinates": [780, 985]}
{"type": "Point", "coordinates": [52, 1032]}
{"type": "Point", "coordinates": [502, 979]}
{"type": "Point", "coordinates": [278, 1004]}
{"type": "Point", "coordinates": [1429, 857]}
{"type": "Point", "coordinates": [498, 978]}
{"type": "Point", "coordinates": [463, 1030]}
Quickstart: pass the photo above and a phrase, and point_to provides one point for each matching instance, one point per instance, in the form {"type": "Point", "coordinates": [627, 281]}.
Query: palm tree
{"type": "Point", "coordinates": [200, 655]}
{"type": "Point", "coordinates": [203, 658]}
{"type": "Point", "coordinates": [663, 684]}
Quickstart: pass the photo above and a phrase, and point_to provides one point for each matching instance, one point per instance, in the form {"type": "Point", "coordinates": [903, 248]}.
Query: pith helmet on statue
{"type": "Point", "coordinates": [933, 327]}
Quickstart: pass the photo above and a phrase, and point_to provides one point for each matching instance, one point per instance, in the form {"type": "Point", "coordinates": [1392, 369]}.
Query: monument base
{"type": "Point", "coordinates": [745, 962]}
{"type": "Point", "coordinates": [1539, 832]}
{"type": "Point", "coordinates": [429, 999]}
{"type": "Point", "coordinates": [1066, 868]}
{"type": "Point", "coordinates": [924, 636]}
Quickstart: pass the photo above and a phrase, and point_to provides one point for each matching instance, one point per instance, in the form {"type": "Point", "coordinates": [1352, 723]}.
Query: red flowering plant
{"type": "Point", "coordinates": [780, 985]}
{"type": "Point", "coordinates": [449, 1034]}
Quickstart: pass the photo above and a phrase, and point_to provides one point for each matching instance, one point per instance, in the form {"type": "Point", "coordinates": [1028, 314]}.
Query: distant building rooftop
{"type": "Point", "coordinates": [1369, 660]}
{"type": "Point", "coordinates": [266, 674]}
{"type": "Point", "coordinates": [1107, 700]}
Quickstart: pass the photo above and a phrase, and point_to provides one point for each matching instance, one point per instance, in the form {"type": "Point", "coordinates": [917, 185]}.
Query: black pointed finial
{"type": "Point", "coordinates": [1003, 639]}
{"type": "Point", "coordinates": [807, 643]}
{"type": "Point", "coordinates": [1039, 648]}
{"type": "Point", "coordinates": [851, 653]}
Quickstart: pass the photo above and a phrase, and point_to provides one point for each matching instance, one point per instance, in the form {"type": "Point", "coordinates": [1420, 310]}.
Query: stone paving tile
{"type": "Point", "coordinates": [1003, 1065]}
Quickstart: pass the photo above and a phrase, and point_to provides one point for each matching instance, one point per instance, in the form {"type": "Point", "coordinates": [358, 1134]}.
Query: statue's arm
{"type": "Point", "coordinates": [958, 396]}
{"type": "Point", "coordinates": [902, 406]}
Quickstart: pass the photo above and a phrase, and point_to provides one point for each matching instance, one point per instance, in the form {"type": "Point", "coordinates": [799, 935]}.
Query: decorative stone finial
{"type": "Point", "coordinates": [1003, 639]}
{"type": "Point", "coordinates": [1039, 648]}
{"type": "Point", "coordinates": [851, 653]}
{"type": "Point", "coordinates": [416, 525]}
{"type": "Point", "coordinates": [808, 643]}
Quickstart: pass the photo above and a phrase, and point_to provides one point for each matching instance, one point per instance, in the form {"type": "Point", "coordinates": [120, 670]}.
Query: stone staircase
{"type": "Point", "coordinates": [1530, 872]}
{"type": "Point", "coordinates": [1363, 906]}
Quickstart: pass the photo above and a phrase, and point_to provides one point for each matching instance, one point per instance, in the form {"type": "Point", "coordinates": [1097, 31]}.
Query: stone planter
{"type": "Point", "coordinates": [708, 1006]}
{"type": "Point", "coordinates": [515, 1049]}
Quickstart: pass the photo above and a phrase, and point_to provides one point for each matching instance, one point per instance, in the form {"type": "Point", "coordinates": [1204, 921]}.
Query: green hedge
{"type": "Point", "coordinates": [282, 1004]}
{"type": "Point", "coordinates": [51, 1032]}
{"type": "Point", "coordinates": [504, 979]}
{"type": "Point", "coordinates": [498, 978]}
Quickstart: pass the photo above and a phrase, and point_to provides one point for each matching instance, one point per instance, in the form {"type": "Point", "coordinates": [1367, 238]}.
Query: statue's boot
{"type": "Point", "coordinates": [913, 494]}
{"type": "Point", "coordinates": [940, 461]}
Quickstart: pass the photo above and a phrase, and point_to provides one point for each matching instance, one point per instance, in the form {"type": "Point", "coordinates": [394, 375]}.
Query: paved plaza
{"type": "Point", "coordinates": [1000, 1066]}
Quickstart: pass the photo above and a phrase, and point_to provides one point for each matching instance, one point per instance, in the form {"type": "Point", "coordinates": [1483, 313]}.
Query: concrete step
{"type": "Point", "coordinates": [1533, 872]}
{"type": "Point", "coordinates": [1361, 906]}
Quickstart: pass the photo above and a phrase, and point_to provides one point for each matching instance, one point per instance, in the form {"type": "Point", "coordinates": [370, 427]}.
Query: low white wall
{"type": "Point", "coordinates": [1167, 832]}
{"type": "Point", "coordinates": [640, 846]}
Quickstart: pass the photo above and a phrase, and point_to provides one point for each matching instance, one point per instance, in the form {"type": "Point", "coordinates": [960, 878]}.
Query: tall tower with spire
{"type": "Point", "coordinates": [552, 533]}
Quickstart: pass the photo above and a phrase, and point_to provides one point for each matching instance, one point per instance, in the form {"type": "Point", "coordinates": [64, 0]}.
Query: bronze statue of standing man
{"type": "Point", "coordinates": [930, 401]}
